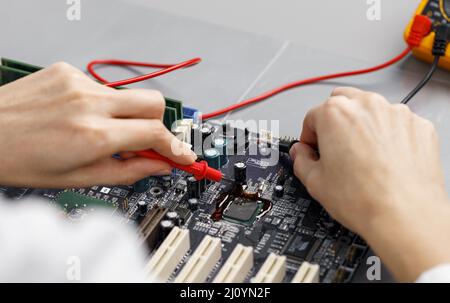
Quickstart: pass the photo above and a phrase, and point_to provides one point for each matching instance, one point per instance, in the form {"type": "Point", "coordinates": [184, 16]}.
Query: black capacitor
{"type": "Point", "coordinates": [142, 186]}
{"type": "Point", "coordinates": [212, 156]}
{"type": "Point", "coordinates": [142, 207]}
{"type": "Point", "coordinates": [226, 128]}
{"type": "Point", "coordinates": [193, 204]}
{"type": "Point", "coordinates": [166, 227]}
{"type": "Point", "coordinates": [167, 181]}
{"type": "Point", "coordinates": [240, 172]}
{"type": "Point", "coordinates": [278, 191]}
{"type": "Point", "coordinates": [193, 187]}
{"type": "Point", "coordinates": [221, 145]}
{"type": "Point", "coordinates": [174, 217]}
{"type": "Point", "coordinates": [206, 131]}
{"type": "Point", "coordinates": [237, 140]}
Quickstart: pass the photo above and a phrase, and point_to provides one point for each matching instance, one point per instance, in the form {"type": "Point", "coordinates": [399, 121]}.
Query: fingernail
{"type": "Point", "coordinates": [293, 150]}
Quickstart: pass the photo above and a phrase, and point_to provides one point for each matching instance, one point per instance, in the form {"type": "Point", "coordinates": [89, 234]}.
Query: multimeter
{"type": "Point", "coordinates": [439, 13]}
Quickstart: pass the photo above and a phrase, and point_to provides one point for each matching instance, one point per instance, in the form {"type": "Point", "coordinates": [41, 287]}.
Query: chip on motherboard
{"type": "Point", "coordinates": [242, 211]}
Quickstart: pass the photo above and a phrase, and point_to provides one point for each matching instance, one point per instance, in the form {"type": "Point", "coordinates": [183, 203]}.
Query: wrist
{"type": "Point", "coordinates": [407, 236]}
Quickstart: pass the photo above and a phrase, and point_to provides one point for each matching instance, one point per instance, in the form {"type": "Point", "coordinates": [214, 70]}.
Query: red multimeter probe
{"type": "Point", "coordinates": [200, 170]}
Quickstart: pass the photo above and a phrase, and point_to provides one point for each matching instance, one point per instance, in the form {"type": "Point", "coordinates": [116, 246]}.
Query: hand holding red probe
{"type": "Point", "coordinates": [200, 170]}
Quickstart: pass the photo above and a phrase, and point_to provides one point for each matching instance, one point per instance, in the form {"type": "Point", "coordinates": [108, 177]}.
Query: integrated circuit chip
{"type": "Point", "coordinates": [299, 246]}
{"type": "Point", "coordinates": [242, 211]}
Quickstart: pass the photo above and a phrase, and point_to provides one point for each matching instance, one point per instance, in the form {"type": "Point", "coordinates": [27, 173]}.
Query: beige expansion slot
{"type": "Point", "coordinates": [168, 255]}
{"type": "Point", "coordinates": [201, 262]}
{"type": "Point", "coordinates": [237, 266]}
{"type": "Point", "coordinates": [307, 273]}
{"type": "Point", "coordinates": [272, 271]}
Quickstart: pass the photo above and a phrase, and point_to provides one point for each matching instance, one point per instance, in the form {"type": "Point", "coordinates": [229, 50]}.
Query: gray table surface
{"type": "Point", "coordinates": [247, 47]}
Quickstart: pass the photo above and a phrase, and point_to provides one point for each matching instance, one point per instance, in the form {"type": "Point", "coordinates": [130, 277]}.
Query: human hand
{"type": "Point", "coordinates": [378, 171]}
{"type": "Point", "coordinates": [58, 128]}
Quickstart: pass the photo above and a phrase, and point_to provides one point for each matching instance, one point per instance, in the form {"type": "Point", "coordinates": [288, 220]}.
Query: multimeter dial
{"type": "Point", "coordinates": [438, 11]}
{"type": "Point", "coordinates": [447, 7]}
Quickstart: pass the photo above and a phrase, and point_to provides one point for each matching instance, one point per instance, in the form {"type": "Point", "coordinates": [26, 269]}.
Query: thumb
{"type": "Point", "coordinates": [305, 163]}
{"type": "Point", "coordinates": [111, 171]}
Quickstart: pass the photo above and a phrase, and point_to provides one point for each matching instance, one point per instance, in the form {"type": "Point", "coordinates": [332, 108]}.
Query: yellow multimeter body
{"type": "Point", "coordinates": [439, 13]}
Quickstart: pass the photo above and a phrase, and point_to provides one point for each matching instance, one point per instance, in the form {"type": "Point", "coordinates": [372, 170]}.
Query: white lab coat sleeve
{"type": "Point", "coordinates": [438, 274]}
{"type": "Point", "coordinates": [39, 244]}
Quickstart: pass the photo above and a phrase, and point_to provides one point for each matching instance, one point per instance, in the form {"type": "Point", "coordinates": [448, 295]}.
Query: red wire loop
{"type": "Point", "coordinates": [164, 69]}
{"type": "Point", "coordinates": [167, 68]}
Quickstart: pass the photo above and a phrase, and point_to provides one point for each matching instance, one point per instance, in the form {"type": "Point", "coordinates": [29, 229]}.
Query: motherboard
{"type": "Point", "coordinates": [259, 224]}
{"type": "Point", "coordinates": [259, 218]}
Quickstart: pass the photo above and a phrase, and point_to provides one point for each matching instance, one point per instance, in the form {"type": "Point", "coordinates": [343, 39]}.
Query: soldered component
{"type": "Point", "coordinates": [166, 227]}
{"type": "Point", "coordinates": [174, 217]}
{"type": "Point", "coordinates": [149, 228]}
{"type": "Point", "coordinates": [182, 130]}
{"type": "Point", "coordinates": [299, 247]}
{"type": "Point", "coordinates": [240, 172]}
{"type": "Point", "coordinates": [166, 181]}
{"type": "Point", "coordinates": [142, 207]}
{"type": "Point", "coordinates": [278, 191]}
{"type": "Point", "coordinates": [156, 191]}
{"type": "Point", "coordinates": [193, 204]}
{"type": "Point", "coordinates": [206, 135]}
{"type": "Point", "coordinates": [221, 145]}
{"type": "Point", "coordinates": [183, 214]}
{"type": "Point", "coordinates": [125, 205]}
{"type": "Point", "coordinates": [212, 156]}
{"type": "Point", "coordinates": [193, 186]}
{"type": "Point", "coordinates": [242, 211]}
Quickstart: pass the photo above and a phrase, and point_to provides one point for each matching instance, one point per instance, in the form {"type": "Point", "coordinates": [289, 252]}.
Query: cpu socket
{"type": "Point", "coordinates": [242, 211]}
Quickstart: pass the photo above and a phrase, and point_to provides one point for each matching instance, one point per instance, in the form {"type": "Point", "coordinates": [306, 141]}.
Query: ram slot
{"type": "Point", "coordinates": [272, 271]}
{"type": "Point", "coordinates": [237, 266]}
{"type": "Point", "coordinates": [149, 227]}
{"type": "Point", "coordinates": [202, 261]}
{"type": "Point", "coordinates": [307, 273]}
{"type": "Point", "coordinates": [168, 255]}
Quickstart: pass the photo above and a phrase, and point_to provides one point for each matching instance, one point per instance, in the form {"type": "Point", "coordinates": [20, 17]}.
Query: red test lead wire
{"type": "Point", "coordinates": [420, 28]}
{"type": "Point", "coordinates": [200, 170]}
{"type": "Point", "coordinates": [164, 69]}
{"type": "Point", "coordinates": [295, 84]}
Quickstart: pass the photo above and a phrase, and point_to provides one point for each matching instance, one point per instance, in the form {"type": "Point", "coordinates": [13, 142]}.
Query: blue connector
{"type": "Point", "coordinates": [190, 113]}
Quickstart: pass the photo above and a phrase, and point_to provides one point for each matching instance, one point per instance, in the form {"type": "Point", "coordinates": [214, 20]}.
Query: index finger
{"type": "Point", "coordinates": [128, 135]}
{"type": "Point", "coordinates": [309, 134]}
{"type": "Point", "coordinates": [349, 92]}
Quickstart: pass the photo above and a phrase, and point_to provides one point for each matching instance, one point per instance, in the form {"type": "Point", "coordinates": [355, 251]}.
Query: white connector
{"type": "Point", "coordinates": [272, 271]}
{"type": "Point", "coordinates": [201, 262]}
{"type": "Point", "coordinates": [168, 255]}
{"type": "Point", "coordinates": [237, 266]}
{"type": "Point", "coordinates": [182, 130]}
{"type": "Point", "coordinates": [307, 273]}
